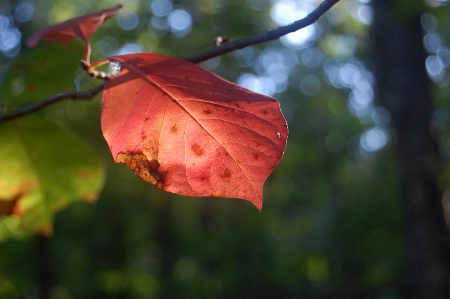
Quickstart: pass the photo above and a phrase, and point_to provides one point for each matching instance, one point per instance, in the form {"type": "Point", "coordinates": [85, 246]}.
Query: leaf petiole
{"type": "Point", "coordinates": [91, 68]}
{"type": "Point", "coordinates": [87, 52]}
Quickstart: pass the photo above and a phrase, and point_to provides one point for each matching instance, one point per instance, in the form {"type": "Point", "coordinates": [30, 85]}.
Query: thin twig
{"type": "Point", "coordinates": [54, 99]}
{"type": "Point", "coordinates": [214, 52]}
{"type": "Point", "coordinates": [265, 36]}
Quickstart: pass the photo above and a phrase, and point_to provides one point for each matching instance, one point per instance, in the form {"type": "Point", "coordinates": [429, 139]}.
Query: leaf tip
{"type": "Point", "coordinates": [258, 205]}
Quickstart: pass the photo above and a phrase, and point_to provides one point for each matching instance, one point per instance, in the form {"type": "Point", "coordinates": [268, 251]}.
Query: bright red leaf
{"type": "Point", "coordinates": [188, 131]}
{"type": "Point", "coordinates": [82, 27]}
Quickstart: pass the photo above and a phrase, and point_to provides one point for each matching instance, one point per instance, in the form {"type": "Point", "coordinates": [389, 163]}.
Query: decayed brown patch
{"type": "Point", "coordinates": [147, 170]}
{"type": "Point", "coordinates": [207, 111]}
{"type": "Point", "coordinates": [197, 150]}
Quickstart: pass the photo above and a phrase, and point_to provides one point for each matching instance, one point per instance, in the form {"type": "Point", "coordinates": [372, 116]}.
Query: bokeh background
{"type": "Point", "coordinates": [336, 221]}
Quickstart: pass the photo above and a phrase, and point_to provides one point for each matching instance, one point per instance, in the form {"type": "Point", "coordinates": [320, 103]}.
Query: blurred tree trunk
{"type": "Point", "coordinates": [167, 243]}
{"type": "Point", "coordinates": [403, 87]}
{"type": "Point", "coordinates": [43, 274]}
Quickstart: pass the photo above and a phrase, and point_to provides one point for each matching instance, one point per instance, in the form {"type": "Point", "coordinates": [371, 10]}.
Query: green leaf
{"type": "Point", "coordinates": [43, 169]}
{"type": "Point", "coordinates": [43, 72]}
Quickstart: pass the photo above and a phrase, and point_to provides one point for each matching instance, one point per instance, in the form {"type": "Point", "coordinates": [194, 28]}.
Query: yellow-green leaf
{"type": "Point", "coordinates": [43, 169]}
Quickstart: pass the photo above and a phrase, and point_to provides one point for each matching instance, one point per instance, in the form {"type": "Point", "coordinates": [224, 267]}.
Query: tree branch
{"type": "Point", "coordinates": [54, 99]}
{"type": "Point", "coordinates": [264, 36]}
{"type": "Point", "coordinates": [211, 53]}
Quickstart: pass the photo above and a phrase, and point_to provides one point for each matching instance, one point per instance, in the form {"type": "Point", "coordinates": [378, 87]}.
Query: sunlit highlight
{"type": "Point", "coordinates": [284, 12]}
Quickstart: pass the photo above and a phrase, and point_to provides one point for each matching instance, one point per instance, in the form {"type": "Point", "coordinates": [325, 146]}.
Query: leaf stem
{"type": "Point", "coordinates": [87, 52]}
{"type": "Point", "coordinates": [91, 68]}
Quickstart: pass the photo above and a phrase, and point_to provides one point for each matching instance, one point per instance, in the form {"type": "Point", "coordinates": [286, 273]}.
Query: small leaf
{"type": "Point", "coordinates": [188, 131]}
{"type": "Point", "coordinates": [44, 168]}
{"type": "Point", "coordinates": [82, 27]}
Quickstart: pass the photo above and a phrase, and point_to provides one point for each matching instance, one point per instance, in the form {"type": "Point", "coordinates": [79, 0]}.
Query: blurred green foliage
{"type": "Point", "coordinates": [331, 225]}
{"type": "Point", "coordinates": [22, 84]}
{"type": "Point", "coordinates": [45, 169]}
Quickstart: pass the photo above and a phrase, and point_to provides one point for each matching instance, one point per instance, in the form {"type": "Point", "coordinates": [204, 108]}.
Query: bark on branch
{"type": "Point", "coordinates": [84, 95]}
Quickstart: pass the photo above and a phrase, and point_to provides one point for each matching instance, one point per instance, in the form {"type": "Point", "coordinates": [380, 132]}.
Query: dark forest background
{"type": "Point", "coordinates": [355, 209]}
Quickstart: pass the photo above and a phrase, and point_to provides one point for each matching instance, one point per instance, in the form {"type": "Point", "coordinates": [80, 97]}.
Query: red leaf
{"type": "Point", "coordinates": [82, 27]}
{"type": "Point", "coordinates": [188, 131]}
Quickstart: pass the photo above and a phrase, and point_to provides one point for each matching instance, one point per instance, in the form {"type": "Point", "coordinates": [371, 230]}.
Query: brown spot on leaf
{"type": "Point", "coordinates": [207, 111]}
{"type": "Point", "coordinates": [265, 112]}
{"type": "Point", "coordinates": [197, 150]}
{"type": "Point", "coordinates": [226, 173]}
{"type": "Point", "coordinates": [174, 129]}
{"type": "Point", "coordinates": [256, 156]}
{"type": "Point", "coordinates": [90, 197]}
{"type": "Point", "coordinates": [147, 170]}
{"type": "Point", "coordinates": [85, 174]}
{"type": "Point", "coordinates": [146, 119]}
